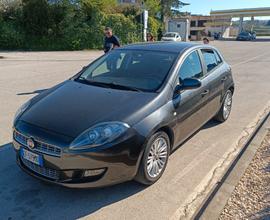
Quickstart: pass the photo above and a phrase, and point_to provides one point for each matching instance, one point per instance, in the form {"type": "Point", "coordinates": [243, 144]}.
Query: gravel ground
{"type": "Point", "coordinates": [251, 197]}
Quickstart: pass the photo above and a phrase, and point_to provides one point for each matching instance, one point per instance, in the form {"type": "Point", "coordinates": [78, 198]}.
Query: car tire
{"type": "Point", "coordinates": [154, 159]}
{"type": "Point", "coordinates": [226, 107]}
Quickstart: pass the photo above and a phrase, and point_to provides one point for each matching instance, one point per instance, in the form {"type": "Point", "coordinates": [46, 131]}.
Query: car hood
{"type": "Point", "coordinates": [73, 107]}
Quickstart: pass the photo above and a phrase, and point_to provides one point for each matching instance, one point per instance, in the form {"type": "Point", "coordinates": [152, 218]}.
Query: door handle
{"type": "Point", "coordinates": [205, 92]}
{"type": "Point", "coordinates": [224, 78]}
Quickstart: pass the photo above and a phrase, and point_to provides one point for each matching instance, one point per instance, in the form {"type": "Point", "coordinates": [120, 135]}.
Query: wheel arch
{"type": "Point", "coordinates": [231, 88]}
{"type": "Point", "coordinates": [170, 134]}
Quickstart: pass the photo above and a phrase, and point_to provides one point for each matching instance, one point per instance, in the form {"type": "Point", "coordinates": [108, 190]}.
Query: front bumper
{"type": "Point", "coordinates": [243, 39]}
{"type": "Point", "coordinates": [119, 164]}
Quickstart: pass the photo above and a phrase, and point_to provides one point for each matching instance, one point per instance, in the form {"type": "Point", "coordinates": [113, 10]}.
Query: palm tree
{"type": "Point", "coordinates": [168, 6]}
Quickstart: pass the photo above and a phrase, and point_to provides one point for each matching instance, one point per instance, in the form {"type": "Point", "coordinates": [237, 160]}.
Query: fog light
{"type": "Point", "coordinates": [96, 172]}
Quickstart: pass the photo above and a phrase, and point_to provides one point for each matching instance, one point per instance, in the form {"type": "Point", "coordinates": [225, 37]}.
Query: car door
{"type": "Point", "coordinates": [190, 105]}
{"type": "Point", "coordinates": [216, 75]}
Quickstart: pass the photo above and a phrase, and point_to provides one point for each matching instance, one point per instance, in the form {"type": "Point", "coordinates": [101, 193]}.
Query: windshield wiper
{"type": "Point", "coordinates": [108, 85]}
{"type": "Point", "coordinates": [117, 86]}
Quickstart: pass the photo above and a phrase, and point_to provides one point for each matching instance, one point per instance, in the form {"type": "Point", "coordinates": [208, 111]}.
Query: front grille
{"type": "Point", "coordinates": [43, 171]}
{"type": "Point", "coordinates": [39, 146]}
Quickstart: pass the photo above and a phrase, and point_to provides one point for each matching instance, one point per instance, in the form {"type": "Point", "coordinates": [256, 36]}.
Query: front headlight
{"type": "Point", "coordinates": [99, 134]}
{"type": "Point", "coordinates": [21, 110]}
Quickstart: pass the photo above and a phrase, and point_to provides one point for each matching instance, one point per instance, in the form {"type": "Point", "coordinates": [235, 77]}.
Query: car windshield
{"type": "Point", "coordinates": [244, 34]}
{"type": "Point", "coordinates": [130, 69]}
{"type": "Point", "coordinates": [170, 35]}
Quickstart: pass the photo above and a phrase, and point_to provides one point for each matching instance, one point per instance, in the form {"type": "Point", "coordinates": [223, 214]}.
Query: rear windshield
{"type": "Point", "coordinates": [170, 35]}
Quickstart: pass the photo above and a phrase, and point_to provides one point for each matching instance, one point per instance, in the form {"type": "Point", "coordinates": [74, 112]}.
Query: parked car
{"type": "Point", "coordinates": [254, 35]}
{"type": "Point", "coordinates": [245, 36]}
{"type": "Point", "coordinates": [217, 36]}
{"type": "Point", "coordinates": [121, 116]}
{"type": "Point", "coordinates": [171, 36]}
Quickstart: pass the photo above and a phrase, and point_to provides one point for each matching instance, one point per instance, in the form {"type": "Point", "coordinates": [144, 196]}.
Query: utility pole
{"type": "Point", "coordinates": [144, 21]}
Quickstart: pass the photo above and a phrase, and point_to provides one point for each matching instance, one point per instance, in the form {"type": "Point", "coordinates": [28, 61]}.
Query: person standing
{"type": "Point", "coordinates": [205, 40]}
{"type": "Point", "coordinates": [110, 40]}
{"type": "Point", "coordinates": [150, 37]}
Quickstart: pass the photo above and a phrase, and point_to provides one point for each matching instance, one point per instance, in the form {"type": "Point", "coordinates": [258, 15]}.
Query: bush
{"type": "Point", "coordinates": [124, 27]}
{"type": "Point", "coordinates": [36, 18]}
{"type": "Point", "coordinates": [68, 25]}
{"type": "Point", "coordinates": [10, 38]}
{"type": "Point", "coordinates": [154, 27]}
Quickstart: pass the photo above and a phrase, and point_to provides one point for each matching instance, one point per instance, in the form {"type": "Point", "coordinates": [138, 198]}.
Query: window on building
{"type": "Point", "coordinates": [201, 23]}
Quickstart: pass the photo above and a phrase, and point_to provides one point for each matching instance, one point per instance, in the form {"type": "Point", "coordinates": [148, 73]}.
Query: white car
{"type": "Point", "coordinates": [171, 36]}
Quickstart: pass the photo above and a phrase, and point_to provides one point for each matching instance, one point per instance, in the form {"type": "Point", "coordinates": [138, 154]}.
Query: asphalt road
{"type": "Point", "coordinates": [22, 75]}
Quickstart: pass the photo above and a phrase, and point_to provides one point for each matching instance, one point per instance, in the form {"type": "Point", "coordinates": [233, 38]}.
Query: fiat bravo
{"type": "Point", "coordinates": [121, 116]}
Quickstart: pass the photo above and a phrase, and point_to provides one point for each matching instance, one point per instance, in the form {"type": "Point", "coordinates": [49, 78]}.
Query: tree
{"type": "Point", "coordinates": [9, 9]}
{"type": "Point", "coordinates": [153, 6]}
{"type": "Point", "coordinates": [168, 5]}
{"type": "Point", "coordinates": [36, 17]}
{"type": "Point", "coordinates": [61, 13]}
{"type": "Point", "coordinates": [93, 7]}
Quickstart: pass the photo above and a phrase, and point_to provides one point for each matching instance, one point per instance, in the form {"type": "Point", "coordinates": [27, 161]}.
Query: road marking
{"type": "Point", "coordinates": [250, 59]}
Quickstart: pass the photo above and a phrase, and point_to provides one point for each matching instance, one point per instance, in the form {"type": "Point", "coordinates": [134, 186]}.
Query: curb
{"type": "Point", "coordinates": [212, 181]}
{"type": "Point", "coordinates": [216, 201]}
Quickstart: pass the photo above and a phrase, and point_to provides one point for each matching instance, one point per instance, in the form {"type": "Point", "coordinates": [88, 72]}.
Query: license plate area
{"type": "Point", "coordinates": [32, 157]}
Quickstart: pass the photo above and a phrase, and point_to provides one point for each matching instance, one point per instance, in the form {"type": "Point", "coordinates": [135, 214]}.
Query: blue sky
{"type": "Point", "coordinates": [205, 6]}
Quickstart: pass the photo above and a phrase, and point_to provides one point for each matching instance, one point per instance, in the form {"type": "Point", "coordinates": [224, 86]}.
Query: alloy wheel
{"type": "Point", "coordinates": [227, 105]}
{"type": "Point", "coordinates": [157, 157]}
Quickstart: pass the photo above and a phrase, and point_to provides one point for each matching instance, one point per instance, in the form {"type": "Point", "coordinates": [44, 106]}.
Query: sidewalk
{"type": "Point", "coordinates": [251, 197]}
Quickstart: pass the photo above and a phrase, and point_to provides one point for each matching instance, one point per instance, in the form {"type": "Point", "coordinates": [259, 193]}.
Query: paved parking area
{"type": "Point", "coordinates": [22, 75]}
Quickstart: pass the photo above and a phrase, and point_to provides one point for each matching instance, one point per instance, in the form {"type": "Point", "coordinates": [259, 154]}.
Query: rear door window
{"type": "Point", "coordinates": [209, 59]}
{"type": "Point", "coordinates": [219, 60]}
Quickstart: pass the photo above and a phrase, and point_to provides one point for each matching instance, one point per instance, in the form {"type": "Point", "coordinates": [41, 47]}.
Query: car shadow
{"type": "Point", "coordinates": [210, 124]}
{"type": "Point", "coordinates": [24, 197]}
{"type": "Point", "coordinates": [32, 93]}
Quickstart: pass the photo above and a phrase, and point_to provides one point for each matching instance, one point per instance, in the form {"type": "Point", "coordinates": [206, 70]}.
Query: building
{"type": "Point", "coordinates": [198, 26]}
{"type": "Point", "coordinates": [201, 26]}
{"type": "Point", "coordinates": [250, 13]}
{"type": "Point", "coordinates": [219, 23]}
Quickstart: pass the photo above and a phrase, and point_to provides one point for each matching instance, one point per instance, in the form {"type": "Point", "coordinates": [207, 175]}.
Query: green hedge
{"type": "Point", "coordinates": [38, 25]}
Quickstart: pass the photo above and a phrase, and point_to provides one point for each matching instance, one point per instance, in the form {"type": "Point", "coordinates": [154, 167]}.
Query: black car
{"type": "Point", "coordinates": [246, 36]}
{"type": "Point", "coordinates": [120, 117]}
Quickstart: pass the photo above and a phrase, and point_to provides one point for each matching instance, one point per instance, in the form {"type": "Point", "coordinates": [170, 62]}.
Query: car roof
{"type": "Point", "coordinates": [175, 47]}
{"type": "Point", "coordinates": [171, 33]}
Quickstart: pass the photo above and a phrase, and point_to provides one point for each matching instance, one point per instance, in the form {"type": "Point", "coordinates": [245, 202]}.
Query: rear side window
{"type": "Point", "coordinates": [191, 67]}
{"type": "Point", "coordinates": [219, 60]}
{"type": "Point", "coordinates": [210, 59]}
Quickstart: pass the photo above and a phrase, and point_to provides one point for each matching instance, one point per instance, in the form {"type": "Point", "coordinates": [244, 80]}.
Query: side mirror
{"type": "Point", "coordinates": [188, 84]}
